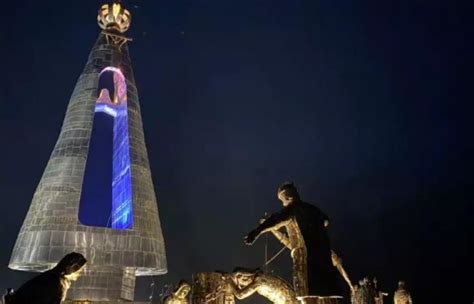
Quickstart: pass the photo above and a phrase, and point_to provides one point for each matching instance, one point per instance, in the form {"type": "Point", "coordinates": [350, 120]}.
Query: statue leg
{"type": "Point", "coordinates": [300, 272]}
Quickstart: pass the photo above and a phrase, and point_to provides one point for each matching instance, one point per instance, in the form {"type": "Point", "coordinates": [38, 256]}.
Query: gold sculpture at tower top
{"type": "Point", "coordinates": [114, 17]}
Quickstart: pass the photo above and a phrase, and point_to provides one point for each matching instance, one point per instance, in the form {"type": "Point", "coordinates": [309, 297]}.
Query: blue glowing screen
{"type": "Point", "coordinates": [121, 175]}
{"type": "Point", "coordinates": [106, 197]}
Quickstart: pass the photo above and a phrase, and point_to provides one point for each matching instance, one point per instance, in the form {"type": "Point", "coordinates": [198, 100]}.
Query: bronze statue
{"type": "Point", "coordinates": [313, 273]}
{"type": "Point", "coordinates": [364, 293]}
{"type": "Point", "coordinates": [354, 293]}
{"type": "Point", "coordinates": [210, 288]}
{"type": "Point", "coordinates": [246, 282]}
{"type": "Point", "coordinates": [51, 286]}
{"type": "Point", "coordinates": [402, 296]}
{"type": "Point", "coordinates": [379, 298]}
{"type": "Point", "coordinates": [180, 295]}
{"type": "Point", "coordinates": [367, 292]}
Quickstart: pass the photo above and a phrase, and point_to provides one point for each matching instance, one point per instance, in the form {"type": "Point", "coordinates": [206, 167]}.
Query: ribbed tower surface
{"type": "Point", "coordinates": [52, 227]}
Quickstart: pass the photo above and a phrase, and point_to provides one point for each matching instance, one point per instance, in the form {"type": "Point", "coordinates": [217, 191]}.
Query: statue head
{"type": "Point", "coordinates": [183, 289]}
{"type": "Point", "coordinates": [366, 281]}
{"type": "Point", "coordinates": [243, 277]}
{"type": "Point", "coordinates": [71, 265]}
{"type": "Point", "coordinates": [287, 193]}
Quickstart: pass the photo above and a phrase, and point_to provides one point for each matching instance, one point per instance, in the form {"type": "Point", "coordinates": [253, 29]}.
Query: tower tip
{"type": "Point", "coordinates": [114, 17]}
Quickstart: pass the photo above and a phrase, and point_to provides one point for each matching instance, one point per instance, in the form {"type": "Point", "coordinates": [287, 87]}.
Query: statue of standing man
{"type": "Point", "coordinates": [314, 275]}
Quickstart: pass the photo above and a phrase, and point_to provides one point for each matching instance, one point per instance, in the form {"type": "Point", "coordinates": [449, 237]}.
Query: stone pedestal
{"type": "Point", "coordinates": [322, 301]}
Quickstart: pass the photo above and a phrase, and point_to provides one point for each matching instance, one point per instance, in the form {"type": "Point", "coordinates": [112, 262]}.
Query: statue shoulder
{"type": "Point", "coordinates": [307, 205]}
{"type": "Point", "coordinates": [313, 209]}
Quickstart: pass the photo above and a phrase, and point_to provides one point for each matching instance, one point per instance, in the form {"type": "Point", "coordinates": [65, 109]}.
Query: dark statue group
{"type": "Point", "coordinates": [51, 286]}
{"type": "Point", "coordinates": [301, 228]}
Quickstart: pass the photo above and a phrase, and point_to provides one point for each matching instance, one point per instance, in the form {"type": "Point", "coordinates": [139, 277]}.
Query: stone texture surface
{"type": "Point", "coordinates": [51, 228]}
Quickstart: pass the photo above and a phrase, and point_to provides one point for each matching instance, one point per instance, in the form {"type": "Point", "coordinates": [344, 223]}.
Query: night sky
{"type": "Point", "coordinates": [365, 105]}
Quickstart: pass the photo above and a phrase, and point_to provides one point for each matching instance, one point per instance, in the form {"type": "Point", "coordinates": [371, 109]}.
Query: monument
{"type": "Point", "coordinates": [94, 215]}
{"type": "Point", "coordinates": [112, 220]}
{"type": "Point", "coordinates": [314, 273]}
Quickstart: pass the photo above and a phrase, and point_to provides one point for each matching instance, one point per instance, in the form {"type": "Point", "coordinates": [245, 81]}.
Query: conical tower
{"type": "Point", "coordinates": [65, 215]}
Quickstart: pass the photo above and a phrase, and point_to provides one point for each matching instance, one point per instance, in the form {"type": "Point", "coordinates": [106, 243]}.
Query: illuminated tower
{"type": "Point", "coordinates": [96, 194]}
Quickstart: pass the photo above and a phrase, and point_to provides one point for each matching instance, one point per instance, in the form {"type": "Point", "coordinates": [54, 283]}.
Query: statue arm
{"type": "Point", "coordinates": [274, 222]}
{"type": "Point", "coordinates": [337, 262]}
{"type": "Point", "coordinates": [244, 292]}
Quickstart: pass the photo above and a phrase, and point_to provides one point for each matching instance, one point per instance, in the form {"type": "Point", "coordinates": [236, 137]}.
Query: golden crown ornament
{"type": "Point", "coordinates": [114, 17]}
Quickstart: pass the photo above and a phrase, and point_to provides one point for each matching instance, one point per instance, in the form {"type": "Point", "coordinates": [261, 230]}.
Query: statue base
{"type": "Point", "coordinates": [321, 301]}
{"type": "Point", "coordinates": [103, 302]}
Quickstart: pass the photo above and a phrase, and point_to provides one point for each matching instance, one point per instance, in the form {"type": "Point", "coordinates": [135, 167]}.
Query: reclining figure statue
{"type": "Point", "coordinates": [245, 282]}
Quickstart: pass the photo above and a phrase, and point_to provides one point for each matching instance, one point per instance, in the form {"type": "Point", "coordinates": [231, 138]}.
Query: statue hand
{"type": "Point", "coordinates": [263, 218]}
{"type": "Point", "coordinates": [250, 238]}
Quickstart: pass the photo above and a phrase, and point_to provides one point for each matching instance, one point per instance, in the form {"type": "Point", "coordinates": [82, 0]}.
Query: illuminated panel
{"type": "Point", "coordinates": [96, 195]}
{"type": "Point", "coordinates": [106, 109]}
{"type": "Point", "coordinates": [106, 197]}
{"type": "Point", "coordinates": [122, 216]}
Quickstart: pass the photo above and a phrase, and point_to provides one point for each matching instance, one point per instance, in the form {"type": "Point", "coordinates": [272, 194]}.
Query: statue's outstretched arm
{"type": "Point", "coordinates": [244, 292]}
{"type": "Point", "coordinates": [275, 221]}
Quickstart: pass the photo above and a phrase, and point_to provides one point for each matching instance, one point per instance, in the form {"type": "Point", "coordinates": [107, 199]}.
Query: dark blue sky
{"type": "Point", "coordinates": [365, 105]}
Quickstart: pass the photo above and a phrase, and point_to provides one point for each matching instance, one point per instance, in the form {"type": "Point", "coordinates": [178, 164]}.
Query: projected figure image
{"type": "Point", "coordinates": [314, 275]}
